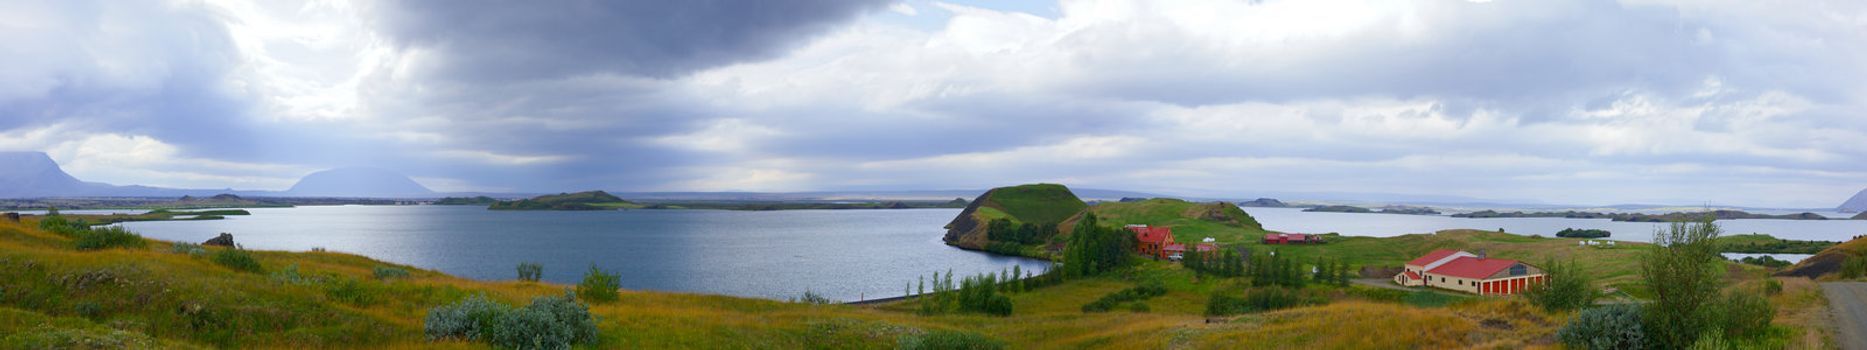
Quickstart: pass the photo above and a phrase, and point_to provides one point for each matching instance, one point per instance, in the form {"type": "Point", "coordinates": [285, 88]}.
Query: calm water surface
{"type": "Point", "coordinates": [842, 254]}
{"type": "Point", "coordinates": [1385, 225]}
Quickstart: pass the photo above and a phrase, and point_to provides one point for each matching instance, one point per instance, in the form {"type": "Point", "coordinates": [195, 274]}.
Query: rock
{"type": "Point", "coordinates": [14, 217]}
{"type": "Point", "coordinates": [224, 240]}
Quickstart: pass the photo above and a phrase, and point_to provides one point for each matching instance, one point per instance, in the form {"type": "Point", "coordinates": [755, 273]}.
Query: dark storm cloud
{"type": "Point", "coordinates": [504, 40]}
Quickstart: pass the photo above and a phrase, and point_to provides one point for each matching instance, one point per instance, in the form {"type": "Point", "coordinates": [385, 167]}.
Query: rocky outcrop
{"type": "Point", "coordinates": [223, 240]}
{"type": "Point", "coordinates": [1035, 203]}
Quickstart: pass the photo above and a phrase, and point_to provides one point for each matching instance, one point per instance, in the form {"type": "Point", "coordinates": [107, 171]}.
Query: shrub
{"type": "Point", "coordinates": [813, 298]}
{"type": "Point", "coordinates": [1741, 314]}
{"type": "Point", "coordinates": [948, 340]}
{"type": "Point", "coordinates": [548, 323]}
{"type": "Point", "coordinates": [290, 275]}
{"type": "Point", "coordinates": [238, 260]}
{"type": "Point", "coordinates": [531, 272]}
{"type": "Point", "coordinates": [1684, 272]}
{"type": "Point", "coordinates": [191, 249]}
{"type": "Point", "coordinates": [1566, 288]}
{"type": "Point", "coordinates": [108, 237]}
{"type": "Point", "coordinates": [1139, 307]}
{"type": "Point", "coordinates": [1772, 287]}
{"type": "Point", "coordinates": [57, 224]}
{"type": "Point", "coordinates": [1608, 327]}
{"type": "Point", "coordinates": [1256, 300]}
{"type": "Point", "coordinates": [599, 287]}
{"type": "Point", "coordinates": [387, 272]}
{"type": "Point", "coordinates": [1583, 233]}
{"type": "Point", "coordinates": [469, 319]}
{"type": "Point", "coordinates": [1854, 267]}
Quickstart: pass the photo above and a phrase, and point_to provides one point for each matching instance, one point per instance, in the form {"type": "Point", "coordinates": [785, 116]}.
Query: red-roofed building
{"type": "Point", "coordinates": [1153, 240]}
{"type": "Point", "coordinates": [1466, 272]}
{"type": "Point", "coordinates": [1292, 238]}
{"type": "Point", "coordinates": [1175, 251]}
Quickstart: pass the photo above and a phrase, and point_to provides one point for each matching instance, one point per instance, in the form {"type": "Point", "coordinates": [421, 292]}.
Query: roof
{"type": "Point", "coordinates": [1176, 246]}
{"type": "Point", "coordinates": [1431, 257]}
{"type": "Point", "coordinates": [1274, 236]}
{"type": "Point", "coordinates": [1296, 236]}
{"type": "Point", "coordinates": [1206, 247]}
{"type": "Point", "coordinates": [1413, 276]}
{"type": "Point", "coordinates": [1472, 267]}
{"type": "Point", "coordinates": [1154, 234]}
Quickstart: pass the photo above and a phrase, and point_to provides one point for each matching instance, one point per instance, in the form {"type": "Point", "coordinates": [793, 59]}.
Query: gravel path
{"type": "Point", "coordinates": [1848, 300]}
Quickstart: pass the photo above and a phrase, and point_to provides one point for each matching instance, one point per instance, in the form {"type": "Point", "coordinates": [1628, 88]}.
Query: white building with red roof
{"type": "Point", "coordinates": [1471, 273]}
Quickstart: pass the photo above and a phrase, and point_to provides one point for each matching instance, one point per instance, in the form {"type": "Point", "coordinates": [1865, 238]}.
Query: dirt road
{"type": "Point", "coordinates": [1848, 300]}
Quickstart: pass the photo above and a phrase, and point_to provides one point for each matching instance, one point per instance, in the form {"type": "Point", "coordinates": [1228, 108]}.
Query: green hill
{"type": "Point", "coordinates": [1828, 263]}
{"type": "Point", "coordinates": [1033, 203]}
{"type": "Point", "coordinates": [591, 200]}
{"type": "Point", "coordinates": [1190, 221]}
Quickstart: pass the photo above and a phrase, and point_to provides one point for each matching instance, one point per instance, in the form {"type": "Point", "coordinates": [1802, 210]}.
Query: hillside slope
{"type": "Point", "coordinates": [1190, 221]}
{"type": "Point", "coordinates": [1033, 203]}
{"type": "Point", "coordinates": [1828, 262]}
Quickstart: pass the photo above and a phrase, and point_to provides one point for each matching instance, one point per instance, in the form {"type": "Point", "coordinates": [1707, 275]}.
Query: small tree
{"type": "Point", "coordinates": [599, 287]}
{"type": "Point", "coordinates": [531, 272]}
{"type": "Point", "coordinates": [1566, 288]}
{"type": "Point", "coordinates": [1682, 270]}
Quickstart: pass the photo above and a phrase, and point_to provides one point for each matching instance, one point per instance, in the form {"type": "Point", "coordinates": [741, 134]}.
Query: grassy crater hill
{"type": "Point", "coordinates": [1828, 263]}
{"type": "Point", "coordinates": [1035, 203]}
{"type": "Point", "coordinates": [1191, 221]}
{"type": "Point", "coordinates": [591, 200]}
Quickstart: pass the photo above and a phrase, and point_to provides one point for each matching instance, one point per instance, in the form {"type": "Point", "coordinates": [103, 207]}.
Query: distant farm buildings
{"type": "Point", "coordinates": [1292, 238]}
{"type": "Point", "coordinates": [1471, 273]}
{"type": "Point", "coordinates": [1156, 241]}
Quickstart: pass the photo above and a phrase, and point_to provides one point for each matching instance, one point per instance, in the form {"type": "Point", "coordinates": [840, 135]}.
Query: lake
{"type": "Point", "coordinates": [842, 254]}
{"type": "Point", "coordinates": [1386, 225]}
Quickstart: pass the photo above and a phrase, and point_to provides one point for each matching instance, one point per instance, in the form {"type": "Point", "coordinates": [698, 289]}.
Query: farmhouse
{"type": "Point", "coordinates": [1471, 273]}
{"type": "Point", "coordinates": [1154, 241]}
{"type": "Point", "coordinates": [1292, 238]}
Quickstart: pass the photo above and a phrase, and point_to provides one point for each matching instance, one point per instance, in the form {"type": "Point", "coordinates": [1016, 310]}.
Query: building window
{"type": "Point", "coordinates": [1518, 270]}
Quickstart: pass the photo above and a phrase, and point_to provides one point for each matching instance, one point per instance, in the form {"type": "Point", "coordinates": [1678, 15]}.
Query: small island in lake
{"type": "Point", "coordinates": [1641, 217]}
{"type": "Point", "coordinates": [1389, 210]}
{"type": "Point", "coordinates": [589, 200]}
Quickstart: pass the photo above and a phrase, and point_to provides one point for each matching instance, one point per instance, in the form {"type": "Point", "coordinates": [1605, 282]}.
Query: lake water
{"type": "Point", "coordinates": [842, 254]}
{"type": "Point", "coordinates": [1385, 225]}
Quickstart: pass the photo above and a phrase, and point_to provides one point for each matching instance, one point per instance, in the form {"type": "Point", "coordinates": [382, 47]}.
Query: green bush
{"type": "Point", "coordinates": [237, 259]}
{"type": "Point", "coordinates": [57, 224]}
{"type": "Point", "coordinates": [813, 298]}
{"type": "Point", "coordinates": [1772, 287]}
{"type": "Point", "coordinates": [531, 272]}
{"type": "Point", "coordinates": [469, 319]}
{"type": "Point", "coordinates": [191, 249]}
{"type": "Point", "coordinates": [550, 322]}
{"type": "Point", "coordinates": [1566, 288]}
{"type": "Point", "coordinates": [1684, 272]}
{"type": "Point", "coordinates": [108, 237]}
{"type": "Point", "coordinates": [1854, 267]}
{"type": "Point", "coordinates": [387, 272]}
{"type": "Point", "coordinates": [1741, 314]}
{"type": "Point", "coordinates": [948, 340]}
{"type": "Point", "coordinates": [1257, 300]}
{"type": "Point", "coordinates": [599, 287]}
{"type": "Point", "coordinates": [1608, 327]}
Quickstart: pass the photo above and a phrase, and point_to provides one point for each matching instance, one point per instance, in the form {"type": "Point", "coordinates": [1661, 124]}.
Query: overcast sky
{"type": "Point", "coordinates": [1587, 102]}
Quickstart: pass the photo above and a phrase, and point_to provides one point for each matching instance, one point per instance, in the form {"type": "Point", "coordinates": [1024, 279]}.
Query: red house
{"type": "Point", "coordinates": [1154, 241]}
{"type": "Point", "coordinates": [1292, 238]}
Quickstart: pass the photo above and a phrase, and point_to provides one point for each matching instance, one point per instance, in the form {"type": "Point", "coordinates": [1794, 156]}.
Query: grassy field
{"type": "Point", "coordinates": [1614, 267]}
{"type": "Point", "coordinates": [1035, 203]}
{"type": "Point", "coordinates": [1191, 222]}
{"type": "Point", "coordinates": [52, 296]}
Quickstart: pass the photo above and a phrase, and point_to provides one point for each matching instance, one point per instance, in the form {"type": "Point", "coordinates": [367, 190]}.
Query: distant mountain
{"type": "Point", "coordinates": [1856, 204]}
{"type": "Point", "coordinates": [358, 182]}
{"type": "Point", "coordinates": [34, 174]}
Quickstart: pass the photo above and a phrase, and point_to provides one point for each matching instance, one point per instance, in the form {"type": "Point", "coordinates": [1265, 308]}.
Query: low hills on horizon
{"type": "Point", "coordinates": [36, 175]}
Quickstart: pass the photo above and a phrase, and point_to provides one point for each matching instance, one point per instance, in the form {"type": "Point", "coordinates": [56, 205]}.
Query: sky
{"type": "Point", "coordinates": [1576, 101]}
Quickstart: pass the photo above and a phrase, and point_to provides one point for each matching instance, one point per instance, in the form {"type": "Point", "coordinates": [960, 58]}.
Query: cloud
{"type": "Point", "coordinates": [1580, 101]}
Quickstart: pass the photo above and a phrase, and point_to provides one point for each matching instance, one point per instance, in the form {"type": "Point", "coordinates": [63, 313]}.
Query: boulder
{"type": "Point", "coordinates": [224, 240]}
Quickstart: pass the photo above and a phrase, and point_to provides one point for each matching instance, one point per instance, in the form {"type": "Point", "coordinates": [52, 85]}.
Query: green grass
{"type": "Point", "coordinates": [1191, 222]}
{"type": "Point", "coordinates": [1036, 203]}
{"type": "Point", "coordinates": [1616, 267]}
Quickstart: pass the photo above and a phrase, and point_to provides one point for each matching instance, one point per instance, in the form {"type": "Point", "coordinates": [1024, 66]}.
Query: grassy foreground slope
{"type": "Point", "coordinates": [53, 296]}
{"type": "Point", "coordinates": [1191, 221]}
{"type": "Point", "coordinates": [1828, 263]}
